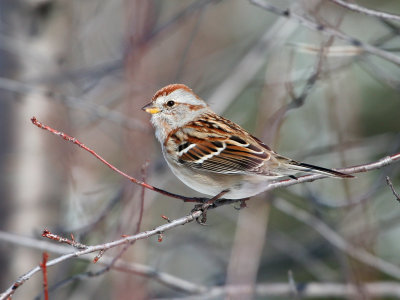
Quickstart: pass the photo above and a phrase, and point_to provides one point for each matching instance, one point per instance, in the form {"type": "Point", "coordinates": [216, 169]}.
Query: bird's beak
{"type": "Point", "coordinates": [151, 109]}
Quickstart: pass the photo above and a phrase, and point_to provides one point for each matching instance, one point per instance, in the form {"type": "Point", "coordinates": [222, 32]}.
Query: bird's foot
{"type": "Point", "coordinates": [205, 206]}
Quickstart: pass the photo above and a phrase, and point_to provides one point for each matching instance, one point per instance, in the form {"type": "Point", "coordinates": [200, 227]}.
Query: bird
{"type": "Point", "coordinates": [212, 154]}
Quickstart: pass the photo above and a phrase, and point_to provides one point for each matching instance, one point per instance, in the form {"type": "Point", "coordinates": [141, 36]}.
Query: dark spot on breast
{"type": "Point", "coordinates": [238, 139]}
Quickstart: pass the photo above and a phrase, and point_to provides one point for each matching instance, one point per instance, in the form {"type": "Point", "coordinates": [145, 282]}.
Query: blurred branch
{"type": "Point", "coordinates": [290, 14]}
{"type": "Point", "coordinates": [380, 72]}
{"type": "Point", "coordinates": [306, 290]}
{"type": "Point", "coordinates": [367, 11]}
{"type": "Point", "coordinates": [389, 182]}
{"type": "Point", "coordinates": [186, 12]}
{"type": "Point", "coordinates": [76, 103]}
{"type": "Point", "coordinates": [171, 281]}
{"type": "Point", "coordinates": [198, 212]}
{"type": "Point", "coordinates": [276, 119]}
{"type": "Point", "coordinates": [293, 286]}
{"type": "Point", "coordinates": [249, 66]}
{"type": "Point", "coordinates": [90, 225]}
{"type": "Point", "coordinates": [102, 247]}
{"type": "Point", "coordinates": [300, 253]}
{"type": "Point", "coordinates": [336, 240]}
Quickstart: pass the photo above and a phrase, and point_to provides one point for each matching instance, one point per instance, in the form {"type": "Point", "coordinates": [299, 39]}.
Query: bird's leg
{"type": "Point", "coordinates": [204, 207]}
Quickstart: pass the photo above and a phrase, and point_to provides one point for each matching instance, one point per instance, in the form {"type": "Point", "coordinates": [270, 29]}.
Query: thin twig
{"type": "Point", "coordinates": [134, 180]}
{"type": "Point", "coordinates": [166, 279]}
{"type": "Point", "coordinates": [312, 290]}
{"type": "Point", "coordinates": [247, 68]}
{"type": "Point", "coordinates": [97, 109]}
{"type": "Point", "coordinates": [137, 230]}
{"type": "Point", "coordinates": [389, 182]}
{"type": "Point", "coordinates": [350, 170]}
{"type": "Point", "coordinates": [145, 234]}
{"type": "Point", "coordinates": [47, 234]}
{"type": "Point", "coordinates": [308, 290]}
{"type": "Point", "coordinates": [367, 11]}
{"type": "Point", "coordinates": [328, 31]}
{"type": "Point", "coordinates": [293, 286]}
{"type": "Point", "coordinates": [284, 183]}
{"type": "Point", "coordinates": [85, 228]}
{"type": "Point", "coordinates": [44, 271]}
{"type": "Point", "coordinates": [142, 194]}
{"type": "Point", "coordinates": [336, 240]}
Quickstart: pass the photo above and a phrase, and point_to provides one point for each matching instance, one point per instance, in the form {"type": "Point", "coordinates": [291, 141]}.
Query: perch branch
{"type": "Point", "coordinates": [392, 270]}
{"type": "Point", "coordinates": [166, 279]}
{"type": "Point", "coordinates": [103, 247]}
{"type": "Point", "coordinates": [284, 183]}
{"type": "Point", "coordinates": [366, 11]}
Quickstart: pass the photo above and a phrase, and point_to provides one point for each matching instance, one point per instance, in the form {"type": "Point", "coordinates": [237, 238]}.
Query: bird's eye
{"type": "Point", "coordinates": [171, 103]}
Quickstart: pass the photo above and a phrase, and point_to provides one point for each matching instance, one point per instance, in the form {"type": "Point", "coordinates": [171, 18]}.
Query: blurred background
{"type": "Point", "coordinates": [87, 67]}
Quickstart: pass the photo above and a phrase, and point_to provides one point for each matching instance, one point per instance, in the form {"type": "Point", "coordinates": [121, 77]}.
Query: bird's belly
{"type": "Point", "coordinates": [239, 186]}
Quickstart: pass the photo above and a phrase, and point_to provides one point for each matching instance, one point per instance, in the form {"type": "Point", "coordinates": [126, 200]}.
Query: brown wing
{"type": "Point", "coordinates": [213, 146]}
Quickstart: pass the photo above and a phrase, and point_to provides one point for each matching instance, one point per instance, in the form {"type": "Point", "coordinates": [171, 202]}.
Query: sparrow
{"type": "Point", "coordinates": [211, 154]}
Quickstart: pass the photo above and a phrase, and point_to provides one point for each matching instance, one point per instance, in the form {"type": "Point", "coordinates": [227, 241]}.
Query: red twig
{"type": "Point", "coordinates": [98, 256]}
{"type": "Point", "coordinates": [166, 218]}
{"type": "Point", "coordinates": [140, 218]}
{"type": "Point", "coordinates": [43, 266]}
{"type": "Point", "coordinates": [160, 237]}
{"type": "Point", "coordinates": [134, 180]}
{"type": "Point", "coordinates": [284, 183]}
{"type": "Point", "coordinates": [47, 234]}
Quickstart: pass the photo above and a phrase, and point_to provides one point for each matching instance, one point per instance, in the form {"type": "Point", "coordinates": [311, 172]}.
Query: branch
{"type": "Point", "coordinates": [311, 290]}
{"type": "Point", "coordinates": [134, 180]}
{"type": "Point", "coordinates": [367, 11]}
{"type": "Point", "coordinates": [390, 184]}
{"type": "Point", "coordinates": [284, 183]}
{"type": "Point", "coordinates": [336, 240]}
{"type": "Point", "coordinates": [97, 109]}
{"type": "Point", "coordinates": [306, 290]}
{"type": "Point", "coordinates": [103, 247]}
{"type": "Point", "coordinates": [350, 170]}
{"type": "Point", "coordinates": [43, 266]}
{"type": "Point", "coordinates": [328, 31]}
{"type": "Point", "coordinates": [166, 279]}
{"type": "Point", "coordinates": [187, 219]}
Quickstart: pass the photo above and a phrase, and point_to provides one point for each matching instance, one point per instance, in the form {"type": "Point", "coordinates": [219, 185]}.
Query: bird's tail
{"type": "Point", "coordinates": [302, 167]}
